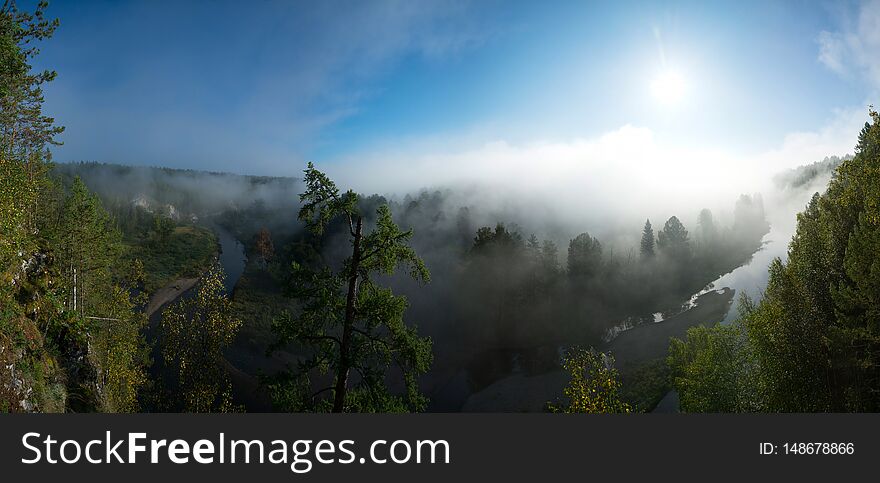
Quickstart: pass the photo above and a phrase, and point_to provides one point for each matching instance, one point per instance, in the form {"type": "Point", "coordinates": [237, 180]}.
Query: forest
{"type": "Point", "coordinates": [148, 289]}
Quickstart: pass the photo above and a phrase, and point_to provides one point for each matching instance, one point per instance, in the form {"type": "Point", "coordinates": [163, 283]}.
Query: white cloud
{"type": "Point", "coordinates": [855, 48]}
{"type": "Point", "coordinates": [832, 50]}
{"type": "Point", "coordinates": [625, 173]}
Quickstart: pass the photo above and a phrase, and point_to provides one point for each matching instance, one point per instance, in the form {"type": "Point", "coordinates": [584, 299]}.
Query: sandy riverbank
{"type": "Point", "coordinates": [169, 293]}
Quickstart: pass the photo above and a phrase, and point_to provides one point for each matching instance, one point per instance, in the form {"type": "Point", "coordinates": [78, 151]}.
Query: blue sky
{"type": "Point", "coordinates": [262, 87]}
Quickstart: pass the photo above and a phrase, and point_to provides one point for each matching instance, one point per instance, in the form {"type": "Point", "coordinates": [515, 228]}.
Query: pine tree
{"type": "Point", "coordinates": [33, 379]}
{"type": "Point", "coordinates": [708, 230]}
{"type": "Point", "coordinates": [647, 244]}
{"type": "Point", "coordinates": [673, 239]}
{"type": "Point", "coordinates": [533, 247]}
{"type": "Point", "coordinates": [88, 247]}
{"type": "Point", "coordinates": [25, 132]}
{"type": "Point", "coordinates": [353, 326]}
{"type": "Point", "coordinates": [584, 257]}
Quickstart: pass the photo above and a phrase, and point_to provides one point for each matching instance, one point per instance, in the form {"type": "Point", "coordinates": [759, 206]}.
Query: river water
{"type": "Point", "coordinates": [521, 392]}
{"type": "Point", "coordinates": [232, 257]}
{"type": "Point", "coordinates": [751, 278]}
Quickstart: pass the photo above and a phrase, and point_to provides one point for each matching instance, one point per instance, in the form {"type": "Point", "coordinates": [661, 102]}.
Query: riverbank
{"type": "Point", "coordinates": [168, 294]}
{"type": "Point", "coordinates": [651, 340]}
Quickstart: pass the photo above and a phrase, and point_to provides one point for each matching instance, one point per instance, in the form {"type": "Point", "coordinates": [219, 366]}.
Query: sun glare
{"type": "Point", "coordinates": [668, 88]}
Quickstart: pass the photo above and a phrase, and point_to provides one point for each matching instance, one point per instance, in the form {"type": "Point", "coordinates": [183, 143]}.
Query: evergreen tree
{"type": "Point", "coordinates": [99, 294]}
{"type": "Point", "coordinates": [584, 257]}
{"type": "Point", "coordinates": [503, 274]}
{"type": "Point", "coordinates": [533, 248]}
{"type": "Point", "coordinates": [88, 246]}
{"type": "Point", "coordinates": [29, 301]}
{"type": "Point", "coordinates": [749, 216]}
{"type": "Point", "coordinates": [162, 229]}
{"type": "Point", "coordinates": [673, 239]}
{"type": "Point", "coordinates": [500, 241]}
{"type": "Point", "coordinates": [25, 133]}
{"type": "Point", "coordinates": [353, 326]}
{"type": "Point", "coordinates": [708, 230]}
{"type": "Point", "coordinates": [549, 261]}
{"type": "Point", "coordinates": [647, 244]}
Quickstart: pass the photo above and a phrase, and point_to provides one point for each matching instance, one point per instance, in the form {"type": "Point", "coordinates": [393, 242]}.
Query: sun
{"type": "Point", "coordinates": [669, 88]}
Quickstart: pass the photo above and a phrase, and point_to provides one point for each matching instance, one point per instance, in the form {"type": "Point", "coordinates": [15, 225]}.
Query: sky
{"type": "Point", "coordinates": [397, 95]}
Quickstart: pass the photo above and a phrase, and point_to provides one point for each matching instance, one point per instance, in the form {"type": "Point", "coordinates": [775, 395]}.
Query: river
{"type": "Point", "coordinates": [751, 278]}
{"type": "Point", "coordinates": [521, 392]}
{"type": "Point", "coordinates": [232, 256]}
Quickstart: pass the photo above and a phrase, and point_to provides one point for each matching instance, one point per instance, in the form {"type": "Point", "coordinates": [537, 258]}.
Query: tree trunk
{"type": "Point", "coordinates": [351, 298]}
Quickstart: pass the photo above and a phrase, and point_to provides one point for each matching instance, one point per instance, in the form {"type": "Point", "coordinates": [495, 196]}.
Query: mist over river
{"type": "Point", "coordinates": [751, 278]}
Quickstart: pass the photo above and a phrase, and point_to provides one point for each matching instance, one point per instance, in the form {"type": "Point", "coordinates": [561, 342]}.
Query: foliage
{"type": "Point", "coordinates": [673, 239]}
{"type": "Point", "coordinates": [708, 234]}
{"type": "Point", "coordinates": [715, 370]}
{"type": "Point", "coordinates": [646, 246]}
{"type": "Point", "coordinates": [32, 379]}
{"type": "Point", "coordinates": [351, 323]}
{"type": "Point", "coordinates": [645, 384]}
{"type": "Point", "coordinates": [195, 333]}
{"type": "Point", "coordinates": [119, 353]}
{"type": "Point", "coordinates": [594, 386]}
{"type": "Point", "coordinates": [264, 246]}
{"type": "Point", "coordinates": [584, 257]}
{"type": "Point", "coordinates": [186, 253]}
{"type": "Point", "coordinates": [25, 131]}
{"type": "Point", "coordinates": [812, 343]}
{"type": "Point", "coordinates": [163, 227]}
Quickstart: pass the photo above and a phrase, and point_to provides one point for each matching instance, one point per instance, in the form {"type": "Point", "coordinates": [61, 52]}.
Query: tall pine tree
{"type": "Point", "coordinates": [353, 326]}
{"type": "Point", "coordinates": [647, 243]}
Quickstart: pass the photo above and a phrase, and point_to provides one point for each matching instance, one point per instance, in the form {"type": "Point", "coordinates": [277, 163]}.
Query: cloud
{"type": "Point", "coordinates": [627, 173]}
{"type": "Point", "coordinates": [837, 137]}
{"type": "Point", "coordinates": [832, 50]}
{"type": "Point", "coordinates": [855, 48]}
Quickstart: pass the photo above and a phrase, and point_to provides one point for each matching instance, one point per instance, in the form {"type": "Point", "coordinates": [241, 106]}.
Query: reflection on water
{"type": "Point", "coordinates": [657, 317]}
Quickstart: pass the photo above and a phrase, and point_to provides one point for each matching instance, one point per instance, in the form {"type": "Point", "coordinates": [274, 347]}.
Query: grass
{"type": "Point", "coordinates": [185, 253]}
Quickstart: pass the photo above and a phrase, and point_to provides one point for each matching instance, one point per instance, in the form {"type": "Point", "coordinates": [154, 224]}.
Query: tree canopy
{"type": "Point", "coordinates": [812, 342]}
